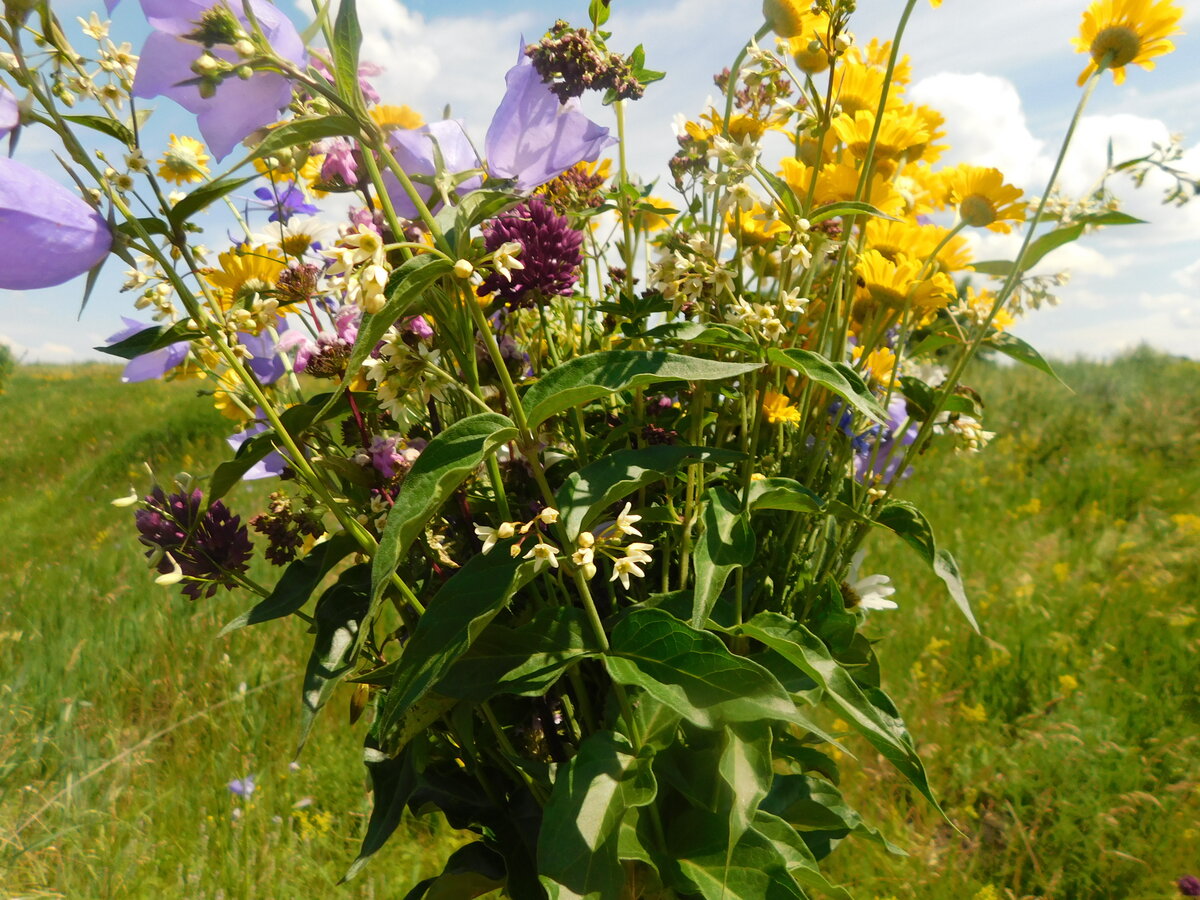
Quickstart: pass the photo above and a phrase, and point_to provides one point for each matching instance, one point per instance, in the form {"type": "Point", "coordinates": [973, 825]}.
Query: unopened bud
{"type": "Point", "coordinates": [463, 269]}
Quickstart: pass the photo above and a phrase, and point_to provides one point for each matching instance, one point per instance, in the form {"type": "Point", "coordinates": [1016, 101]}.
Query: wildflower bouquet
{"type": "Point", "coordinates": [569, 483]}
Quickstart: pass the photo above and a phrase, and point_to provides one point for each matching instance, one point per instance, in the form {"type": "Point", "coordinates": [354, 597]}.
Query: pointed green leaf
{"type": "Point", "coordinates": [393, 780]}
{"type": "Point", "coordinates": [727, 543]}
{"type": "Point", "coordinates": [588, 492]}
{"type": "Point", "coordinates": [847, 208]}
{"type": "Point", "coordinates": [579, 836]}
{"type": "Point", "coordinates": [911, 526]}
{"type": "Point", "coordinates": [304, 131]}
{"type": "Point", "coordinates": [347, 42]}
{"type": "Point", "coordinates": [783, 493]}
{"type": "Point", "coordinates": [1012, 346]}
{"type": "Point", "coordinates": [836, 377]}
{"type": "Point", "coordinates": [587, 378]}
{"type": "Point", "coordinates": [297, 583]}
{"type": "Point", "coordinates": [754, 870]}
{"type": "Point", "coordinates": [456, 615]}
{"type": "Point", "coordinates": [202, 197]}
{"type": "Point", "coordinates": [150, 339]}
{"type": "Point", "coordinates": [105, 125]}
{"type": "Point", "coordinates": [805, 650]}
{"type": "Point", "coordinates": [443, 465]}
{"type": "Point", "coordinates": [747, 768]}
{"type": "Point", "coordinates": [693, 672]}
{"type": "Point", "coordinates": [796, 855]}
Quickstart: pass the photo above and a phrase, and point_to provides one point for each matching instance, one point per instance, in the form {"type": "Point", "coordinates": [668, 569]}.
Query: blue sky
{"type": "Point", "coordinates": [1003, 72]}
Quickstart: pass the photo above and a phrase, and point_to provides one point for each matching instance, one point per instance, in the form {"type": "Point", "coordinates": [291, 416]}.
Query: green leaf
{"type": "Point", "coordinates": [393, 780]}
{"type": "Point", "coordinates": [339, 615]}
{"type": "Point", "coordinates": [847, 208]}
{"type": "Point", "coordinates": [525, 661]}
{"type": "Point", "coordinates": [726, 543]}
{"type": "Point", "coordinates": [404, 287]}
{"type": "Point", "coordinates": [150, 339]}
{"type": "Point", "coordinates": [347, 41]}
{"type": "Point", "coordinates": [598, 12]}
{"type": "Point", "coordinates": [1052, 240]}
{"type": "Point", "coordinates": [715, 334]}
{"type": "Point", "coordinates": [747, 768]}
{"type": "Point", "coordinates": [230, 472]}
{"type": "Point", "coordinates": [783, 493]}
{"type": "Point", "coordinates": [587, 378]}
{"type": "Point", "coordinates": [105, 125]}
{"type": "Point", "coordinates": [816, 808]}
{"type": "Point", "coordinates": [475, 207]}
{"type": "Point", "coordinates": [588, 492]}
{"type": "Point", "coordinates": [911, 526]}
{"type": "Point", "coordinates": [579, 836]}
{"type": "Point", "coordinates": [297, 583]}
{"type": "Point", "coordinates": [304, 131]}
{"type": "Point", "coordinates": [456, 615]}
{"type": "Point", "coordinates": [782, 189]}
{"type": "Point", "coordinates": [202, 196]}
{"type": "Point", "coordinates": [1012, 346]}
{"type": "Point", "coordinates": [693, 672]}
{"type": "Point", "coordinates": [443, 465]}
{"type": "Point", "coordinates": [796, 855]}
{"type": "Point", "coordinates": [836, 377]}
{"type": "Point", "coordinates": [803, 649]}
{"type": "Point", "coordinates": [754, 870]}
{"type": "Point", "coordinates": [471, 871]}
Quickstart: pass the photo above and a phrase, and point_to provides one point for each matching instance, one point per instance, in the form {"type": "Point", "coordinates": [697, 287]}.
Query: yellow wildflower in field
{"type": "Point", "coordinates": [1068, 684]}
{"type": "Point", "coordinates": [1118, 33]}
{"type": "Point", "coordinates": [987, 892]}
{"type": "Point", "coordinates": [243, 273]}
{"type": "Point", "coordinates": [786, 17]}
{"type": "Point", "coordinates": [184, 162]}
{"type": "Point", "coordinates": [778, 410]}
{"type": "Point", "coordinates": [976, 714]}
{"type": "Point", "coordinates": [898, 284]}
{"type": "Point", "coordinates": [983, 199]}
{"type": "Point", "coordinates": [879, 365]}
{"type": "Point", "coordinates": [1187, 523]}
{"type": "Point", "coordinates": [898, 133]}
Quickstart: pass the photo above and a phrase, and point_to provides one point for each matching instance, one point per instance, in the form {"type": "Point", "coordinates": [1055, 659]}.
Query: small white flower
{"type": "Point", "coordinates": [173, 577]}
{"type": "Point", "coordinates": [624, 523]}
{"type": "Point", "coordinates": [463, 269]}
{"type": "Point", "coordinates": [543, 554]}
{"type": "Point", "coordinates": [504, 260]}
{"type": "Point", "coordinates": [624, 567]}
{"type": "Point", "coordinates": [549, 515]}
{"type": "Point", "coordinates": [792, 301]}
{"type": "Point", "coordinates": [638, 551]}
{"type": "Point", "coordinates": [490, 535]}
{"type": "Point", "coordinates": [873, 591]}
{"type": "Point", "coordinates": [129, 500]}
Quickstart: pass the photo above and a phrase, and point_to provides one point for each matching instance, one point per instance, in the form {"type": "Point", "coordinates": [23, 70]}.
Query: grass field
{"type": "Point", "coordinates": [1063, 741]}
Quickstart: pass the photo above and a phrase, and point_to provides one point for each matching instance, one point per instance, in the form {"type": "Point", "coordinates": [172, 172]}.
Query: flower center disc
{"type": "Point", "coordinates": [977, 211]}
{"type": "Point", "coordinates": [1119, 44]}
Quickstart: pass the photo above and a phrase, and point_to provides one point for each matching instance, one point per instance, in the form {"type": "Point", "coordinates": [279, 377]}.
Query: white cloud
{"type": "Point", "coordinates": [1188, 276]}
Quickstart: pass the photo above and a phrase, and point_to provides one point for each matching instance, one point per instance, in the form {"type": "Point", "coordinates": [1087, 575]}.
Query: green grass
{"type": "Point", "coordinates": [1063, 742]}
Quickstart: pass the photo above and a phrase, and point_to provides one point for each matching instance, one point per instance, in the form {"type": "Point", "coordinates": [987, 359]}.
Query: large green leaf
{"type": "Point", "coordinates": [712, 334]}
{"type": "Point", "coordinates": [693, 672]}
{"type": "Point", "coordinates": [347, 42]}
{"type": "Point", "coordinates": [202, 196]}
{"type": "Point", "coordinates": [1015, 348]}
{"type": "Point", "coordinates": [805, 650]}
{"type": "Point", "coordinates": [754, 870]}
{"type": "Point", "coordinates": [524, 661]}
{"type": "Point", "coordinates": [836, 377]}
{"type": "Point", "coordinates": [587, 378]}
{"type": "Point", "coordinates": [747, 769]}
{"type": "Point", "coordinates": [796, 855]}
{"type": "Point", "coordinates": [471, 871]}
{"type": "Point", "coordinates": [783, 493]}
{"type": "Point", "coordinates": [297, 583]}
{"type": "Point", "coordinates": [910, 524]}
{"type": "Point", "coordinates": [443, 465]}
{"type": "Point", "coordinates": [304, 131]}
{"type": "Point", "coordinates": [150, 339]}
{"type": "Point", "coordinates": [726, 544]}
{"type": "Point", "coordinates": [404, 288]}
{"type": "Point", "coordinates": [456, 615]}
{"type": "Point", "coordinates": [588, 492]}
{"type": "Point", "coordinates": [339, 615]}
{"type": "Point", "coordinates": [816, 809]}
{"type": "Point", "coordinates": [393, 780]}
{"type": "Point", "coordinates": [579, 837]}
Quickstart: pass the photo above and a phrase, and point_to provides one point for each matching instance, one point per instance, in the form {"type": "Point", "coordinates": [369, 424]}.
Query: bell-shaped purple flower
{"type": "Point", "coordinates": [414, 150]}
{"type": "Point", "coordinates": [533, 137]}
{"type": "Point", "coordinates": [10, 113]}
{"type": "Point", "coordinates": [154, 364]}
{"type": "Point", "coordinates": [48, 234]}
{"type": "Point", "coordinates": [879, 451]}
{"type": "Point", "coordinates": [238, 107]}
{"type": "Point", "coordinates": [270, 466]}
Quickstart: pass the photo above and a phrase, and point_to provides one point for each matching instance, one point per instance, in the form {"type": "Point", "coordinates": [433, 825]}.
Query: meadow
{"type": "Point", "coordinates": [1062, 741]}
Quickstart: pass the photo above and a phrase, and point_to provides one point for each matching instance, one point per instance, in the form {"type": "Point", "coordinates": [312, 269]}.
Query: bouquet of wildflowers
{"type": "Point", "coordinates": [568, 481]}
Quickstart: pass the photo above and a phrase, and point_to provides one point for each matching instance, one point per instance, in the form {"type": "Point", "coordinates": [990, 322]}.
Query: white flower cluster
{"type": "Point", "coordinates": [360, 257]}
{"type": "Point", "coordinates": [766, 319]}
{"type": "Point", "coordinates": [968, 433]}
{"type": "Point", "coordinates": [627, 559]}
{"type": "Point", "coordinates": [688, 274]}
{"type": "Point", "coordinates": [405, 377]}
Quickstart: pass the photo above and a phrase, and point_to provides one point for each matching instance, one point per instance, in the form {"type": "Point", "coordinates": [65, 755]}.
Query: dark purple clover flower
{"type": "Point", "coordinates": [550, 254]}
{"type": "Point", "coordinates": [1189, 886]}
{"type": "Point", "coordinates": [208, 545]}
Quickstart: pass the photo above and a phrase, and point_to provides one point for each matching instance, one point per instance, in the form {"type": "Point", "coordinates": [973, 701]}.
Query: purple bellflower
{"type": "Point", "coordinates": [154, 364]}
{"type": "Point", "coordinates": [265, 360]}
{"type": "Point", "coordinates": [884, 462]}
{"type": "Point", "coordinates": [10, 113]}
{"type": "Point", "coordinates": [238, 107]}
{"type": "Point", "coordinates": [270, 466]}
{"type": "Point", "coordinates": [532, 137]}
{"type": "Point", "coordinates": [284, 200]}
{"type": "Point", "coordinates": [48, 234]}
{"type": "Point", "coordinates": [414, 150]}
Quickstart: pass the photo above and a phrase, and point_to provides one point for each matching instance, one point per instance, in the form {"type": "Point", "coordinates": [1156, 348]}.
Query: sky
{"type": "Point", "coordinates": [1003, 73]}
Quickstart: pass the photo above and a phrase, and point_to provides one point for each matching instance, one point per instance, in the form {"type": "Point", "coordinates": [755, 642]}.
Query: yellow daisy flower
{"type": "Point", "coordinates": [786, 17]}
{"type": "Point", "coordinates": [809, 47]}
{"type": "Point", "coordinates": [858, 86]}
{"type": "Point", "coordinates": [898, 132]}
{"type": "Point", "coordinates": [892, 283]}
{"type": "Point", "coordinates": [876, 55]}
{"type": "Point", "coordinates": [983, 199]}
{"type": "Point", "coordinates": [389, 117]}
{"type": "Point", "coordinates": [184, 162]}
{"type": "Point", "coordinates": [879, 365]}
{"type": "Point", "coordinates": [778, 411]}
{"type": "Point", "coordinates": [1118, 33]}
{"type": "Point", "coordinates": [244, 273]}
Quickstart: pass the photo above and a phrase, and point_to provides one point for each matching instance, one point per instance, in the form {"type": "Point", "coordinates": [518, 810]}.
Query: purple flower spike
{"type": "Point", "coordinates": [238, 107]}
{"type": "Point", "coordinates": [414, 150]}
{"type": "Point", "coordinates": [48, 234]}
{"type": "Point", "coordinates": [1189, 886]}
{"type": "Point", "coordinates": [533, 137]}
{"type": "Point", "coordinates": [10, 114]}
{"type": "Point", "coordinates": [152, 365]}
{"type": "Point", "coordinates": [549, 253]}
